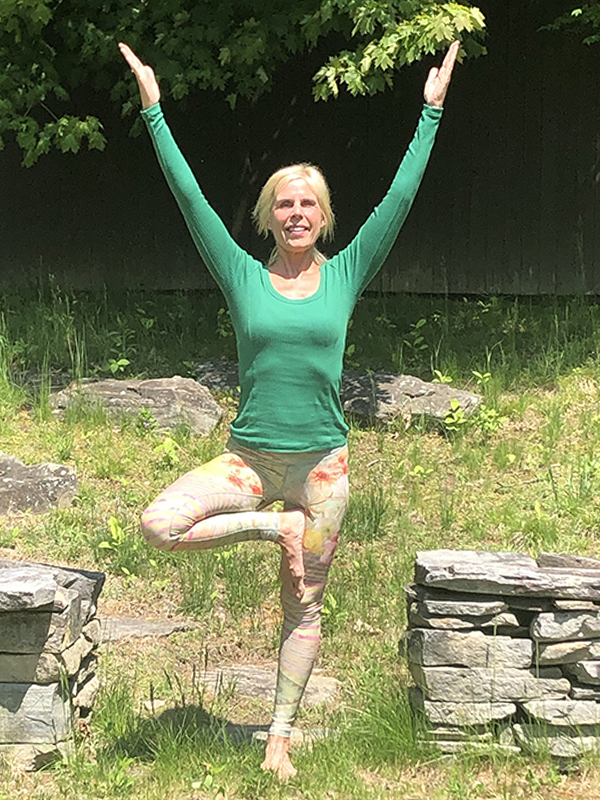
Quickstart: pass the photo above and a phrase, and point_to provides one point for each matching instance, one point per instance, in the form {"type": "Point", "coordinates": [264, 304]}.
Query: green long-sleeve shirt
{"type": "Point", "coordinates": [291, 351]}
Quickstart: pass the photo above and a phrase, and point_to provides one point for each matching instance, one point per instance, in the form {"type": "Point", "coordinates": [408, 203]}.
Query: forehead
{"type": "Point", "coordinates": [295, 187]}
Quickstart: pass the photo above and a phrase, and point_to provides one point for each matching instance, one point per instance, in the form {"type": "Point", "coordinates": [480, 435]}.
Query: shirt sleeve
{"type": "Point", "coordinates": [364, 256]}
{"type": "Point", "coordinates": [223, 257]}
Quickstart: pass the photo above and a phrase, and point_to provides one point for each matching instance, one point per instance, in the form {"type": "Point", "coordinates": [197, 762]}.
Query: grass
{"type": "Point", "coordinates": [522, 474]}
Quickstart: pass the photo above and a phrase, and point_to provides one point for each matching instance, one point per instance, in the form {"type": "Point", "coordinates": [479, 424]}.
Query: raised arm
{"type": "Point", "coordinates": [366, 253]}
{"type": "Point", "coordinates": [221, 254]}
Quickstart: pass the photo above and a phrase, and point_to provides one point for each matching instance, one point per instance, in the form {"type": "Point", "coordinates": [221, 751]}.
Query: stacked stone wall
{"type": "Point", "coordinates": [49, 636]}
{"type": "Point", "coordinates": [505, 650]}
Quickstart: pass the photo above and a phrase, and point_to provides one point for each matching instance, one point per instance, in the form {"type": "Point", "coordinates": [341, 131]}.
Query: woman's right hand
{"type": "Point", "coordinates": [147, 83]}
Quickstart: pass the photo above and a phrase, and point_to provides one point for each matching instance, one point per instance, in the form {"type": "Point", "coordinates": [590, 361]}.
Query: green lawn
{"type": "Point", "coordinates": [523, 474]}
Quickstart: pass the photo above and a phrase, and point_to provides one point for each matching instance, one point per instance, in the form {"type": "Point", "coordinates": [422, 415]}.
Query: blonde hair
{"type": "Point", "coordinates": [318, 185]}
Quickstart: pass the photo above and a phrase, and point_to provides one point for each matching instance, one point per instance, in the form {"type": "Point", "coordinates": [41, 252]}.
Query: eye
{"type": "Point", "coordinates": [283, 204]}
{"type": "Point", "coordinates": [309, 203]}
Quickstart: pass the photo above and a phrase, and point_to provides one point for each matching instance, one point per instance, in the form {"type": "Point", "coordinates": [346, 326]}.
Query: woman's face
{"type": "Point", "coordinates": [296, 218]}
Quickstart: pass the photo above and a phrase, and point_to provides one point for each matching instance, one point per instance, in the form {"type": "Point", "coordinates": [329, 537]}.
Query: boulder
{"type": "Point", "coordinates": [37, 488]}
{"type": "Point", "coordinates": [385, 396]}
{"type": "Point", "coordinates": [171, 401]}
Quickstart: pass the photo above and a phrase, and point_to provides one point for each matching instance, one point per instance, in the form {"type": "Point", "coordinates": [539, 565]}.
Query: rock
{"type": "Point", "coordinates": [467, 746]}
{"type": "Point", "coordinates": [567, 652]}
{"type": "Point", "coordinates": [34, 756]}
{"type": "Point", "coordinates": [30, 668]}
{"type": "Point", "coordinates": [87, 694]}
{"type": "Point", "coordinates": [93, 632]}
{"type": "Point", "coordinates": [576, 605]}
{"type": "Point", "coordinates": [503, 574]}
{"type": "Point", "coordinates": [250, 680]}
{"type": "Point", "coordinates": [450, 713]}
{"type": "Point", "coordinates": [37, 488]}
{"type": "Point", "coordinates": [452, 648]}
{"type": "Point", "coordinates": [385, 396]}
{"type": "Point", "coordinates": [585, 671]}
{"type": "Point", "coordinates": [117, 628]}
{"type": "Point", "coordinates": [564, 712]}
{"type": "Point", "coordinates": [171, 401]}
{"type": "Point", "coordinates": [30, 713]}
{"type": "Point", "coordinates": [566, 561]}
{"type": "Point", "coordinates": [219, 375]}
{"type": "Point", "coordinates": [585, 692]}
{"type": "Point", "coordinates": [565, 626]}
{"type": "Point", "coordinates": [482, 685]}
{"type": "Point", "coordinates": [505, 620]}
{"type": "Point", "coordinates": [419, 617]}
{"type": "Point", "coordinates": [85, 583]}
{"type": "Point", "coordinates": [72, 656]}
{"type": "Point", "coordinates": [22, 589]}
{"type": "Point", "coordinates": [447, 604]}
{"type": "Point", "coordinates": [558, 742]}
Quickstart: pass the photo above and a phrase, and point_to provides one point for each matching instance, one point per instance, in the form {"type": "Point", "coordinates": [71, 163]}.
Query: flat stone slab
{"type": "Point", "coordinates": [558, 742]}
{"type": "Point", "coordinates": [171, 401]}
{"type": "Point", "coordinates": [565, 626]}
{"type": "Point", "coordinates": [33, 714]}
{"type": "Point", "coordinates": [419, 617]}
{"type": "Point", "coordinates": [500, 573]}
{"type": "Point", "coordinates": [450, 713]}
{"type": "Point", "coordinates": [585, 692]}
{"type": "Point", "coordinates": [567, 652]}
{"type": "Point", "coordinates": [482, 685]}
{"type": "Point", "coordinates": [37, 488]}
{"type": "Point", "coordinates": [385, 396]}
{"type": "Point", "coordinates": [564, 712]}
{"type": "Point", "coordinates": [567, 561]}
{"type": "Point", "coordinates": [442, 603]}
{"type": "Point", "coordinates": [30, 668]}
{"type": "Point", "coordinates": [251, 680]}
{"type": "Point", "coordinates": [22, 588]}
{"type": "Point", "coordinates": [118, 628]}
{"type": "Point", "coordinates": [433, 648]}
{"type": "Point", "coordinates": [84, 583]}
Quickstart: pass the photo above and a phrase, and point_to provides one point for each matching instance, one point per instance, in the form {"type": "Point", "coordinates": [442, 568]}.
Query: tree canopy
{"type": "Point", "coordinates": [48, 48]}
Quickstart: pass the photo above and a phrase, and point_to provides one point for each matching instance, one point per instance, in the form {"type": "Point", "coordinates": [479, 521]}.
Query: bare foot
{"type": "Point", "coordinates": [277, 759]}
{"type": "Point", "coordinates": [291, 534]}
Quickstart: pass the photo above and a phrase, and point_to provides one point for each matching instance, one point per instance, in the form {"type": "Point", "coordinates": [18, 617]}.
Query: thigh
{"type": "Point", "coordinates": [322, 491]}
{"type": "Point", "coordinates": [225, 484]}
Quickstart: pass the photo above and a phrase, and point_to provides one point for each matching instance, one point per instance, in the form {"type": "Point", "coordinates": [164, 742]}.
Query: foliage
{"type": "Point", "coordinates": [582, 20]}
{"type": "Point", "coordinates": [48, 48]}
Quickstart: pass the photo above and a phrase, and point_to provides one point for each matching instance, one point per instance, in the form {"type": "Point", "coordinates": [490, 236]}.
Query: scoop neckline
{"type": "Point", "coordinates": [299, 300]}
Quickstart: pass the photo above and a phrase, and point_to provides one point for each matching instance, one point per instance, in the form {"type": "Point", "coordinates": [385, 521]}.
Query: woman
{"type": "Point", "coordinates": [288, 441]}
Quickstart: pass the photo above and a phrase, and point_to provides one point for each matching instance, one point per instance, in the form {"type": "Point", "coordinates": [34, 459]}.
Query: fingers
{"type": "Point", "coordinates": [449, 61]}
{"type": "Point", "coordinates": [131, 58]}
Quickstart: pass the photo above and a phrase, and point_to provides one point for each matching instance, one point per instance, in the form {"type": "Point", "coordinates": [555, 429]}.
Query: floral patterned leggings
{"type": "Point", "coordinates": [219, 504]}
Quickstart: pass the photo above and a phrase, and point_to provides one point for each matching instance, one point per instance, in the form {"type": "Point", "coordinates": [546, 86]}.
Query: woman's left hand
{"type": "Point", "coordinates": [438, 80]}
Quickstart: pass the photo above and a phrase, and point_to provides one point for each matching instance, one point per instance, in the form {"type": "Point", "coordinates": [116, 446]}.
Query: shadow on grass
{"type": "Point", "coordinates": [144, 737]}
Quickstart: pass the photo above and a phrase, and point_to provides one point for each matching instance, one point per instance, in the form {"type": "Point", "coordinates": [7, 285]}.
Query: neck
{"type": "Point", "coordinates": [290, 265]}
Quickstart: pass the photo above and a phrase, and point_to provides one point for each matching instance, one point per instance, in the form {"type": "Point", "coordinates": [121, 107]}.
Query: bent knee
{"type": "Point", "coordinates": [157, 528]}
